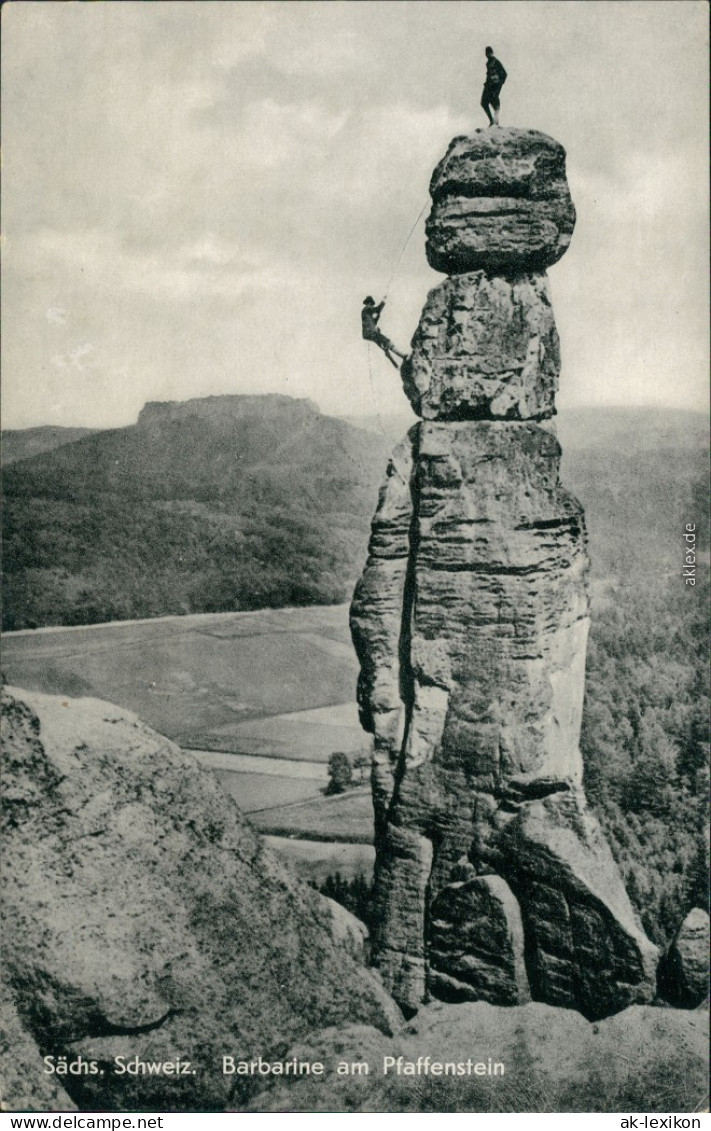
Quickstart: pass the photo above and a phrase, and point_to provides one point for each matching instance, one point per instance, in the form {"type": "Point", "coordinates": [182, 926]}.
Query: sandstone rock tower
{"type": "Point", "coordinates": [493, 880]}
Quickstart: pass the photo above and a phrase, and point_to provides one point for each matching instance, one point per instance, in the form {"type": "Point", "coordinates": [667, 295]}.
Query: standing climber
{"type": "Point", "coordinates": [370, 315]}
{"type": "Point", "coordinates": [495, 79]}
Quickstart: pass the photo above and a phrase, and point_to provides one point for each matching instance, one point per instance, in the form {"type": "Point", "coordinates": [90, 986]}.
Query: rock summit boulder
{"type": "Point", "coordinates": [500, 203]}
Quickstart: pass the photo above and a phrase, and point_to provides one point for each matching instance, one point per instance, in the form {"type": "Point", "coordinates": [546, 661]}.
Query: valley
{"type": "Point", "coordinates": [218, 685]}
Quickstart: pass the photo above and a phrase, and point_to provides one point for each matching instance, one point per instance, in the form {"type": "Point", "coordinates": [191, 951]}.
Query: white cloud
{"type": "Point", "coordinates": [77, 355]}
{"type": "Point", "coordinates": [273, 135]}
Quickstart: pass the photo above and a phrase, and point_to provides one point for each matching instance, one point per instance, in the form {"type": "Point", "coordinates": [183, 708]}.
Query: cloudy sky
{"type": "Point", "coordinates": [197, 195]}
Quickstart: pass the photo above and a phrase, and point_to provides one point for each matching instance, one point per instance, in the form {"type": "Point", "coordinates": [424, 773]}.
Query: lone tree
{"type": "Point", "coordinates": [340, 773]}
{"type": "Point", "coordinates": [361, 763]}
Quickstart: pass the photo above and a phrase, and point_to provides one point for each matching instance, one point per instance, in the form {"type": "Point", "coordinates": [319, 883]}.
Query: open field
{"type": "Point", "coordinates": [289, 796]}
{"type": "Point", "coordinates": [315, 860]}
{"type": "Point", "coordinates": [278, 682]}
{"type": "Point", "coordinates": [251, 764]}
{"type": "Point", "coordinates": [346, 817]}
{"type": "Point", "coordinates": [255, 792]}
{"type": "Point", "coordinates": [311, 735]}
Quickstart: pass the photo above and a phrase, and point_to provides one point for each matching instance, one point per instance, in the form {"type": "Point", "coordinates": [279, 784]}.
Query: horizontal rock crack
{"type": "Point", "coordinates": [481, 567]}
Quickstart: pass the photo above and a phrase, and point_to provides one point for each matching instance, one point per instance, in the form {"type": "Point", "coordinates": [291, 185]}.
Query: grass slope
{"type": "Point", "coordinates": [208, 681]}
{"type": "Point", "coordinates": [315, 860]}
{"type": "Point", "coordinates": [346, 817]}
{"type": "Point", "coordinates": [260, 793]}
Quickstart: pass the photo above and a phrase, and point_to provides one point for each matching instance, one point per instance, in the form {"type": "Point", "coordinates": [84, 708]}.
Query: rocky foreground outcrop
{"type": "Point", "coordinates": [643, 1059]}
{"type": "Point", "coordinates": [143, 917]}
{"type": "Point", "coordinates": [493, 879]}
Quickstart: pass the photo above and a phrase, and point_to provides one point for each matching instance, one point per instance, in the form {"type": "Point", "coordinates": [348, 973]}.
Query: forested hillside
{"type": "Point", "coordinates": [645, 744]}
{"type": "Point", "coordinates": [238, 503]}
{"type": "Point", "coordinates": [232, 503]}
{"type": "Point", "coordinates": [22, 443]}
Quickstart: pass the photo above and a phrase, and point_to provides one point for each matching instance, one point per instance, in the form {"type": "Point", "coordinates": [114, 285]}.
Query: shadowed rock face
{"type": "Point", "coordinates": [145, 917]}
{"type": "Point", "coordinates": [684, 973]}
{"type": "Point", "coordinates": [470, 621]}
{"type": "Point", "coordinates": [26, 1086]}
{"type": "Point", "coordinates": [477, 942]}
{"type": "Point", "coordinates": [500, 203]}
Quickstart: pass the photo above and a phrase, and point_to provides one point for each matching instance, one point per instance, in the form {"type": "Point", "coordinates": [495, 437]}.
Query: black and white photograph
{"type": "Point", "coordinates": [355, 620]}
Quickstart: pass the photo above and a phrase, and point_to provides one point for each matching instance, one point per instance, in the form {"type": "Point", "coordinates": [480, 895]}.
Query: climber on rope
{"type": "Point", "coordinates": [370, 316]}
{"type": "Point", "coordinates": [495, 79]}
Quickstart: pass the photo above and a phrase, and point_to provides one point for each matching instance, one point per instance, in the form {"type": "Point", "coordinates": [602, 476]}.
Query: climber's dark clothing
{"type": "Point", "coordinates": [370, 316]}
{"type": "Point", "coordinates": [495, 79]}
{"type": "Point", "coordinates": [490, 98]}
{"type": "Point", "coordinates": [379, 339]}
{"type": "Point", "coordinates": [495, 75]}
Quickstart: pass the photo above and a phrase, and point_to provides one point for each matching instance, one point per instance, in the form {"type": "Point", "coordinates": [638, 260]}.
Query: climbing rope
{"type": "Point", "coordinates": [395, 267]}
{"type": "Point", "coordinates": [402, 249]}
